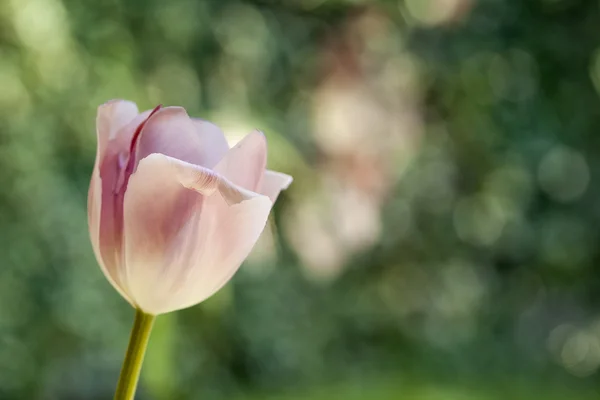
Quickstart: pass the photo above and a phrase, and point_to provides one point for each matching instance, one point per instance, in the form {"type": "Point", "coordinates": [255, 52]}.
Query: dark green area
{"type": "Point", "coordinates": [440, 240]}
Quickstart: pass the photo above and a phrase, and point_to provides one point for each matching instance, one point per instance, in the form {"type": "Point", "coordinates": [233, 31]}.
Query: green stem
{"type": "Point", "coordinates": [132, 365]}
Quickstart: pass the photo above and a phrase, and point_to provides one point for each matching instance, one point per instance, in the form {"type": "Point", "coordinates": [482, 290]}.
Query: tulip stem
{"type": "Point", "coordinates": [132, 365]}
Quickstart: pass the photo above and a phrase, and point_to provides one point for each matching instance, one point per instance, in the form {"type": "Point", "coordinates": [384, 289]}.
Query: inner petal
{"type": "Point", "coordinates": [173, 133]}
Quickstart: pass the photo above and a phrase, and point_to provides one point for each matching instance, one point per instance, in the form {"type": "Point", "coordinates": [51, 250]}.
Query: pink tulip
{"type": "Point", "coordinates": [172, 210]}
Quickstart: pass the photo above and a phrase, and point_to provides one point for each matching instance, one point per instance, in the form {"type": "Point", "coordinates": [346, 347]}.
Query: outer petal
{"type": "Point", "coordinates": [229, 237]}
{"type": "Point", "coordinates": [245, 163]}
{"type": "Point", "coordinates": [170, 131]}
{"type": "Point", "coordinates": [114, 135]}
{"type": "Point", "coordinates": [273, 183]}
{"type": "Point", "coordinates": [187, 230]}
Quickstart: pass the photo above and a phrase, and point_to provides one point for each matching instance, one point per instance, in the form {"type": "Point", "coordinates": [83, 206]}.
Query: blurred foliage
{"type": "Point", "coordinates": [439, 241]}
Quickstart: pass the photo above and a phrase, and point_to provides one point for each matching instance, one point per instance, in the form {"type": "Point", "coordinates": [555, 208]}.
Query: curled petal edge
{"type": "Point", "coordinates": [203, 180]}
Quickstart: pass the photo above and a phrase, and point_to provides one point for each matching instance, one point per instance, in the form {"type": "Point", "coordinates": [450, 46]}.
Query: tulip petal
{"type": "Point", "coordinates": [112, 116]}
{"type": "Point", "coordinates": [172, 132]}
{"type": "Point", "coordinates": [244, 164]}
{"type": "Point", "coordinates": [186, 227]}
{"type": "Point", "coordinates": [273, 183]}
{"type": "Point", "coordinates": [228, 238]}
{"type": "Point", "coordinates": [214, 143]}
{"type": "Point", "coordinates": [115, 123]}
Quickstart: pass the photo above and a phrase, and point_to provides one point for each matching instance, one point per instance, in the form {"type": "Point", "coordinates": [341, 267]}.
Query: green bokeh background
{"type": "Point", "coordinates": [440, 241]}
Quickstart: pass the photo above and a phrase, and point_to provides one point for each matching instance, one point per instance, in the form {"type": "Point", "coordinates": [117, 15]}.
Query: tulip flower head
{"type": "Point", "coordinates": [172, 210]}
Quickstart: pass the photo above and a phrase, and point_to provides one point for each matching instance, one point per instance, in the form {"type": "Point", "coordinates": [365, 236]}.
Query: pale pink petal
{"type": "Point", "coordinates": [228, 234]}
{"type": "Point", "coordinates": [183, 221]}
{"type": "Point", "coordinates": [105, 219]}
{"type": "Point", "coordinates": [116, 122]}
{"type": "Point", "coordinates": [214, 145]}
{"type": "Point", "coordinates": [273, 183]}
{"type": "Point", "coordinates": [172, 132]}
{"type": "Point", "coordinates": [244, 164]}
{"type": "Point", "coordinates": [111, 265]}
{"type": "Point", "coordinates": [111, 118]}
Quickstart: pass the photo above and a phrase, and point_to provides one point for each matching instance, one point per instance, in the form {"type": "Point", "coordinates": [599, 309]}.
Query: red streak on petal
{"type": "Point", "coordinates": [134, 140]}
{"type": "Point", "coordinates": [136, 134]}
{"type": "Point", "coordinates": [126, 163]}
